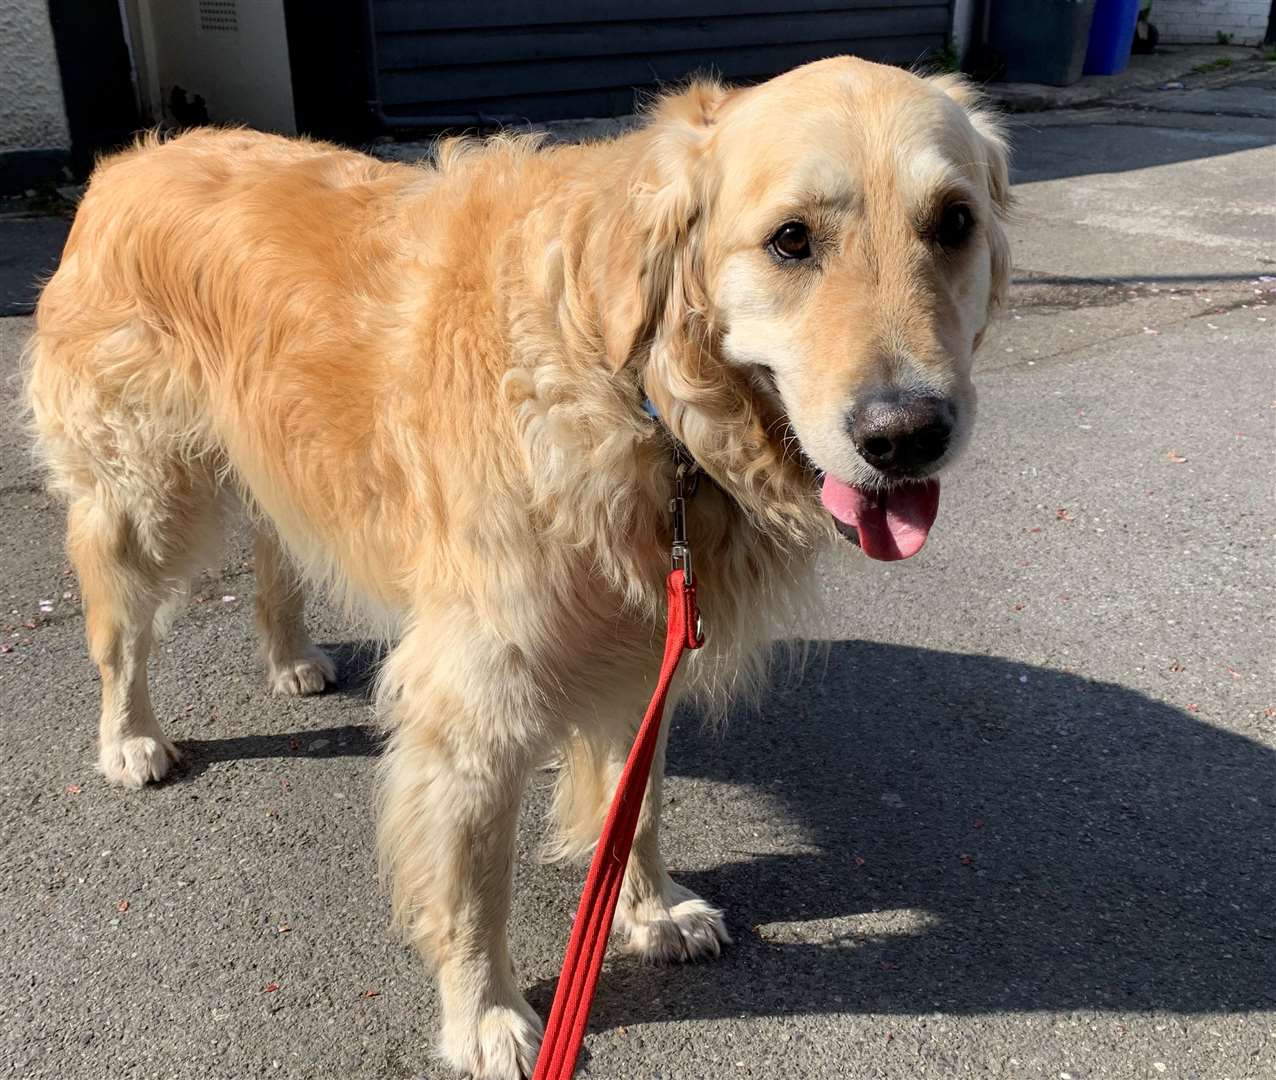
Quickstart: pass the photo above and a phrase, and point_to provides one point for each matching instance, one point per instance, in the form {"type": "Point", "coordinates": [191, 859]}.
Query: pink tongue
{"type": "Point", "coordinates": [891, 524]}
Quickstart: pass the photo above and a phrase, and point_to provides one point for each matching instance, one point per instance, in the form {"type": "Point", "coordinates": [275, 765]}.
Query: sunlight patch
{"type": "Point", "coordinates": [850, 931]}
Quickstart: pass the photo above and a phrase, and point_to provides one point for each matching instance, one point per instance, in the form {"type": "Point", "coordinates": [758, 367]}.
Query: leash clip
{"type": "Point", "coordinates": [686, 480]}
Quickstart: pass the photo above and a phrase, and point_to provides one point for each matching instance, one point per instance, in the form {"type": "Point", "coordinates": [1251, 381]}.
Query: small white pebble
{"type": "Point", "coordinates": [228, 599]}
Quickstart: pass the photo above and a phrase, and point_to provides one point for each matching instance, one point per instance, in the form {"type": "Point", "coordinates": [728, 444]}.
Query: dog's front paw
{"type": "Point", "coordinates": [676, 927]}
{"type": "Point", "coordinates": [307, 673]}
{"type": "Point", "coordinates": [495, 1042]}
{"type": "Point", "coordinates": [134, 760]}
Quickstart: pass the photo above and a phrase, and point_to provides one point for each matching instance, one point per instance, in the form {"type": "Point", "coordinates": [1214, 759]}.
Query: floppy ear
{"type": "Point", "coordinates": [992, 134]}
{"type": "Point", "coordinates": [994, 154]}
{"type": "Point", "coordinates": [652, 217]}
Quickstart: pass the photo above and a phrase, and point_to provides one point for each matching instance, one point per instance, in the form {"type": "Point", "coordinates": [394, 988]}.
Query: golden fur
{"type": "Point", "coordinates": [426, 385]}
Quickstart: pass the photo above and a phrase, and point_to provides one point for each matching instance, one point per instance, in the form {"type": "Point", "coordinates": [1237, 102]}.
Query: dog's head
{"type": "Point", "coordinates": [804, 270]}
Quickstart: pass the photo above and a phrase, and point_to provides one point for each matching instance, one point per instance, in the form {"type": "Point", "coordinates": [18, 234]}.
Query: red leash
{"type": "Point", "coordinates": [588, 943]}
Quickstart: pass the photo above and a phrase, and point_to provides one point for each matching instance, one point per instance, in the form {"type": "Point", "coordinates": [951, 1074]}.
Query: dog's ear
{"type": "Point", "coordinates": [994, 162]}
{"type": "Point", "coordinates": [653, 215]}
{"type": "Point", "coordinates": [992, 135]}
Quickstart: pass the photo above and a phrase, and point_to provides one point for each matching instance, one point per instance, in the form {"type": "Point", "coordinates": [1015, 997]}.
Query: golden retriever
{"type": "Point", "coordinates": [427, 385]}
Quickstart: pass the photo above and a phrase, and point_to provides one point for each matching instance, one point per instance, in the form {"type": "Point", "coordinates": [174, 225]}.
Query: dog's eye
{"type": "Point", "coordinates": [954, 225]}
{"type": "Point", "coordinates": [792, 241]}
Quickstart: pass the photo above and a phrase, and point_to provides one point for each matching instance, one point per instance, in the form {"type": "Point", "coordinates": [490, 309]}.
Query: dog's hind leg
{"type": "Point", "coordinates": [123, 447]}
{"type": "Point", "coordinates": [133, 553]}
{"type": "Point", "coordinates": [294, 663]}
{"type": "Point", "coordinates": [466, 724]}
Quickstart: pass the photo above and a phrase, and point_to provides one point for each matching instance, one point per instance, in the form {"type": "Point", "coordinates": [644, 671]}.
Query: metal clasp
{"type": "Point", "coordinates": [686, 480]}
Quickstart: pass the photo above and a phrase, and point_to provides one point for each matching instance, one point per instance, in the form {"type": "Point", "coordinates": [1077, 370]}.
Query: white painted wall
{"type": "Point", "coordinates": [1201, 21]}
{"type": "Point", "coordinates": [32, 115]}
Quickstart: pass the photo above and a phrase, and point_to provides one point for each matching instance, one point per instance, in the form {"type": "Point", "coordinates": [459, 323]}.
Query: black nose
{"type": "Point", "coordinates": [901, 435]}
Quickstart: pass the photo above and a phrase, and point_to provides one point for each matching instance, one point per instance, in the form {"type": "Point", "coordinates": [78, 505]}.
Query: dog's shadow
{"type": "Point", "coordinates": [967, 834]}
{"type": "Point", "coordinates": [950, 832]}
{"type": "Point", "coordinates": [356, 663]}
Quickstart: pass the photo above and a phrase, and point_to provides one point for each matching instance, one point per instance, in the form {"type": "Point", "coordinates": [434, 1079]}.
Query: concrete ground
{"type": "Point", "coordinates": [1018, 820]}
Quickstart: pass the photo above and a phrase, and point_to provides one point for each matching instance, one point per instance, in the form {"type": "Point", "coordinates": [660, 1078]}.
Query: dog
{"type": "Point", "coordinates": [433, 390]}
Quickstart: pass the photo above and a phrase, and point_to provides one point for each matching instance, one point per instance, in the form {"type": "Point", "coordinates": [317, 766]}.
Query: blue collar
{"type": "Point", "coordinates": [681, 455]}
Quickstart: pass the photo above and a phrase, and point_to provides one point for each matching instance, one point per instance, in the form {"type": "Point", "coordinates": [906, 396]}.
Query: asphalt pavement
{"type": "Point", "coordinates": [1018, 818]}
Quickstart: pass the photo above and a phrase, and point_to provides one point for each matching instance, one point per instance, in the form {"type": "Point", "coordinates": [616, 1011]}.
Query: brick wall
{"type": "Point", "coordinates": [1201, 21]}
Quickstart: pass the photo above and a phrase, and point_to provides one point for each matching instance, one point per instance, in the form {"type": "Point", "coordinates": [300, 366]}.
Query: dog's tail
{"type": "Point", "coordinates": [579, 805]}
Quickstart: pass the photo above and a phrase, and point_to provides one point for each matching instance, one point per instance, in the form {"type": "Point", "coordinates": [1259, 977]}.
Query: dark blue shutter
{"type": "Point", "coordinates": [450, 62]}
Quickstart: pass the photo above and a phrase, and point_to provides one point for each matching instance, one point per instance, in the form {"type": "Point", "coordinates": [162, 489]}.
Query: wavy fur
{"type": "Point", "coordinates": [426, 385]}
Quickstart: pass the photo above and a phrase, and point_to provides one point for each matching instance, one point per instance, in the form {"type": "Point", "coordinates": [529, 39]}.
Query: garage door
{"type": "Point", "coordinates": [447, 62]}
